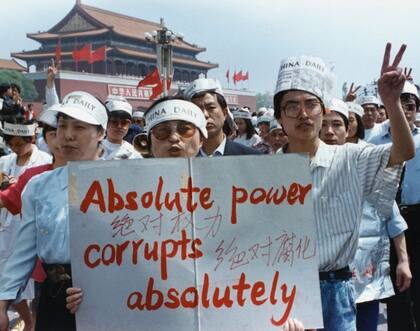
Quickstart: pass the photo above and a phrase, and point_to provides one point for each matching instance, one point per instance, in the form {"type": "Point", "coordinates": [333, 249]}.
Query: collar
{"type": "Point", "coordinates": [220, 150]}
{"type": "Point", "coordinates": [323, 156]}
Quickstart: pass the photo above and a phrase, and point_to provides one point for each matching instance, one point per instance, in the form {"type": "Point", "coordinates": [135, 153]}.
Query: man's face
{"type": "Point", "coordinates": [333, 131]}
{"type": "Point", "coordinates": [117, 128]}
{"type": "Point", "coordinates": [213, 112]}
{"type": "Point", "coordinates": [277, 138]}
{"type": "Point", "coordinates": [409, 105]}
{"type": "Point", "coordinates": [19, 146]}
{"type": "Point", "coordinates": [306, 123]}
{"type": "Point", "coordinates": [139, 121]}
{"type": "Point", "coordinates": [78, 140]}
{"type": "Point", "coordinates": [370, 115]}
{"type": "Point", "coordinates": [381, 115]}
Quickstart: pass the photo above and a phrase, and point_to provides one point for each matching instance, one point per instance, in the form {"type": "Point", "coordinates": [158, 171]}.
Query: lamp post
{"type": "Point", "coordinates": [163, 38]}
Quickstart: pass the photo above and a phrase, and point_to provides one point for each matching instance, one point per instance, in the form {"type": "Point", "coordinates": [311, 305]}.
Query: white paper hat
{"type": "Point", "coordinates": [264, 118]}
{"type": "Point", "coordinates": [242, 113]}
{"type": "Point", "coordinates": [364, 99]}
{"type": "Point", "coordinates": [275, 125]}
{"type": "Point", "coordinates": [355, 108]}
{"type": "Point", "coordinates": [118, 103]}
{"type": "Point", "coordinates": [176, 110]}
{"type": "Point", "coordinates": [84, 107]}
{"type": "Point", "coordinates": [203, 85]}
{"type": "Point", "coordinates": [338, 106]}
{"type": "Point", "coordinates": [19, 130]}
{"type": "Point", "coordinates": [261, 111]}
{"type": "Point", "coordinates": [138, 114]}
{"type": "Point", "coordinates": [410, 89]}
{"type": "Point", "coordinates": [305, 73]}
{"type": "Point", "coordinates": [49, 115]}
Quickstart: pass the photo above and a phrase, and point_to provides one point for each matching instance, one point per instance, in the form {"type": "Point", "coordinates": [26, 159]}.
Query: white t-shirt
{"type": "Point", "coordinates": [119, 151]}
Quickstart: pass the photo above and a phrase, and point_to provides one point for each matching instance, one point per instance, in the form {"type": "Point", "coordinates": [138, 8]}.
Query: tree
{"type": "Point", "coordinates": [28, 90]}
{"type": "Point", "coordinates": [264, 100]}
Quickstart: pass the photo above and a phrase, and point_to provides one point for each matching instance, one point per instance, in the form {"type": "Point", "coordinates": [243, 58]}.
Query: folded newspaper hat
{"type": "Point", "coordinates": [242, 113]}
{"type": "Point", "coordinates": [266, 118]}
{"type": "Point", "coordinates": [365, 99]}
{"type": "Point", "coordinates": [275, 125]}
{"type": "Point", "coordinates": [410, 88]}
{"type": "Point", "coordinates": [138, 114]}
{"type": "Point", "coordinates": [84, 107]}
{"type": "Point", "coordinates": [338, 106]}
{"type": "Point", "coordinates": [49, 115]}
{"type": "Point", "coordinates": [175, 110]}
{"type": "Point", "coordinates": [305, 73]}
{"type": "Point", "coordinates": [355, 108]}
{"type": "Point", "coordinates": [203, 85]}
{"type": "Point", "coordinates": [19, 130]}
{"type": "Point", "coordinates": [118, 103]}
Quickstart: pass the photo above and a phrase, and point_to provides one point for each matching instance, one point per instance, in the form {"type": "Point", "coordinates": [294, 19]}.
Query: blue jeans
{"type": "Point", "coordinates": [338, 305]}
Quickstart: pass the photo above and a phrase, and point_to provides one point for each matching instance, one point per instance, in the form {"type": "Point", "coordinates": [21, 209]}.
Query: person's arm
{"type": "Point", "coordinates": [51, 96]}
{"type": "Point", "coordinates": [4, 319]}
{"type": "Point", "coordinates": [390, 86]}
{"type": "Point", "coordinates": [404, 276]}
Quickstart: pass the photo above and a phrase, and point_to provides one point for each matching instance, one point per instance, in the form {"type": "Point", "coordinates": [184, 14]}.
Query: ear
{"type": "Point", "coordinates": [101, 134]}
{"type": "Point", "coordinates": [201, 140]}
{"type": "Point", "coordinates": [225, 112]}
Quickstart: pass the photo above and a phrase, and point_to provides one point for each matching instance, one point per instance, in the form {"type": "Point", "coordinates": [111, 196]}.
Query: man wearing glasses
{"type": "Point", "coordinates": [342, 176]}
{"type": "Point", "coordinates": [119, 121]}
{"type": "Point", "coordinates": [403, 306]}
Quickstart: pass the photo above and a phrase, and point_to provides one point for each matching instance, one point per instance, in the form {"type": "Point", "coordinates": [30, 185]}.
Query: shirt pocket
{"type": "Point", "coordinates": [338, 214]}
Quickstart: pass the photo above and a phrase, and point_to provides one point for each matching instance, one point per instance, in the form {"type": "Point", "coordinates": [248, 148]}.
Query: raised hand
{"type": "Point", "coordinates": [51, 73]}
{"type": "Point", "coordinates": [392, 79]}
{"type": "Point", "coordinates": [407, 73]}
{"type": "Point", "coordinates": [351, 94]}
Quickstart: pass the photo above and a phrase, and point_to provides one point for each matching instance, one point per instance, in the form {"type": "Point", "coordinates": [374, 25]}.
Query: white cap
{"type": "Point", "coordinates": [305, 73]}
{"type": "Point", "coordinates": [364, 99]}
{"type": "Point", "coordinates": [355, 108]}
{"type": "Point", "coordinates": [203, 85]}
{"type": "Point", "coordinates": [275, 125]}
{"type": "Point", "coordinates": [84, 107]}
{"type": "Point", "coordinates": [338, 106]}
{"type": "Point", "coordinates": [410, 88]}
{"type": "Point", "coordinates": [19, 130]}
{"type": "Point", "coordinates": [264, 118]}
{"type": "Point", "coordinates": [118, 103]}
{"type": "Point", "coordinates": [49, 115]}
{"type": "Point", "coordinates": [242, 113]}
{"type": "Point", "coordinates": [261, 111]}
{"type": "Point", "coordinates": [138, 114]}
{"type": "Point", "coordinates": [176, 110]}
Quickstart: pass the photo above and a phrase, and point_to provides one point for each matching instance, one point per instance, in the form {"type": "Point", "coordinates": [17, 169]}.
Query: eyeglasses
{"type": "Point", "coordinates": [409, 106]}
{"type": "Point", "coordinates": [292, 109]}
{"type": "Point", "coordinates": [162, 131]}
{"type": "Point", "coordinates": [117, 122]}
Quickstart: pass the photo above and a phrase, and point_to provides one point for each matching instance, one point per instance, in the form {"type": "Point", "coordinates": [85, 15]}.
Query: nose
{"type": "Point", "coordinates": [68, 133]}
{"type": "Point", "coordinates": [173, 137]}
{"type": "Point", "coordinates": [205, 112]}
{"type": "Point", "coordinates": [329, 131]}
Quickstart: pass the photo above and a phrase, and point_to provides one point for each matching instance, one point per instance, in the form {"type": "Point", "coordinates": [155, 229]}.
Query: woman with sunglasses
{"type": "Point", "coordinates": [119, 120]}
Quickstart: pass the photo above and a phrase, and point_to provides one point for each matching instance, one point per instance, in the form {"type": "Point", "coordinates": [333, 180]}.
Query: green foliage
{"type": "Point", "coordinates": [28, 90]}
{"type": "Point", "coordinates": [264, 100]}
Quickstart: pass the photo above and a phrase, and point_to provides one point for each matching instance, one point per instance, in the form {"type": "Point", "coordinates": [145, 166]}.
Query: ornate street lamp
{"type": "Point", "coordinates": [163, 38]}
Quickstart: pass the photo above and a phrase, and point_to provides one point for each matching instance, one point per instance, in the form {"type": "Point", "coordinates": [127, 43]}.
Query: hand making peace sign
{"type": "Point", "coordinates": [392, 79]}
{"type": "Point", "coordinates": [351, 94]}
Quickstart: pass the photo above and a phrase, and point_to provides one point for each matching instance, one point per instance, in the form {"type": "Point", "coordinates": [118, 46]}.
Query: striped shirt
{"type": "Point", "coordinates": [342, 178]}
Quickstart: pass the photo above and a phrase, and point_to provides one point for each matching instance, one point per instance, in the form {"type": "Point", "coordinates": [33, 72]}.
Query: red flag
{"type": "Point", "coordinates": [227, 76]}
{"type": "Point", "coordinates": [58, 53]}
{"type": "Point", "coordinates": [83, 54]}
{"type": "Point", "coordinates": [98, 54]}
{"type": "Point", "coordinates": [153, 80]}
{"type": "Point", "coordinates": [237, 77]}
{"type": "Point", "coordinates": [246, 76]}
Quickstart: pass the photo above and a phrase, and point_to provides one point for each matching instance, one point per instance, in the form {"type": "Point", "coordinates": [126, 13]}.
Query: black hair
{"type": "Point", "coordinates": [47, 128]}
{"type": "Point", "coordinates": [3, 88]}
{"type": "Point", "coordinates": [408, 97]}
{"type": "Point", "coordinates": [249, 128]}
{"type": "Point", "coordinates": [360, 133]}
{"type": "Point", "coordinates": [120, 114]}
{"type": "Point", "coordinates": [7, 137]}
{"type": "Point", "coordinates": [15, 86]}
{"type": "Point", "coordinates": [220, 98]}
{"type": "Point", "coordinates": [99, 128]}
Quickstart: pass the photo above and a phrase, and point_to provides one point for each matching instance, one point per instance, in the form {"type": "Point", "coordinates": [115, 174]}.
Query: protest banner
{"type": "Point", "coordinates": [194, 244]}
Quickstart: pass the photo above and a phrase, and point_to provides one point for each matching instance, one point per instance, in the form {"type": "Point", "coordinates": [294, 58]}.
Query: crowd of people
{"type": "Point", "coordinates": [363, 162]}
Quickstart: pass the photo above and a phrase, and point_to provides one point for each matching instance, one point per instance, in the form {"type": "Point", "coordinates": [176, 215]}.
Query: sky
{"type": "Point", "coordinates": [255, 35]}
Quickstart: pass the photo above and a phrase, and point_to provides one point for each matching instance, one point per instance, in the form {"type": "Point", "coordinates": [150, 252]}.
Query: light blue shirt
{"type": "Point", "coordinates": [410, 194]}
{"type": "Point", "coordinates": [44, 231]}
